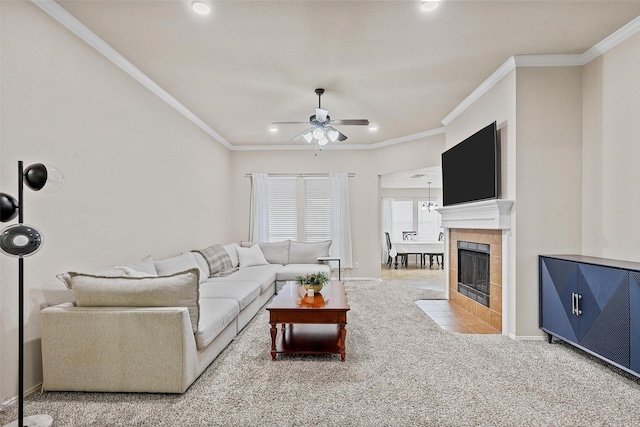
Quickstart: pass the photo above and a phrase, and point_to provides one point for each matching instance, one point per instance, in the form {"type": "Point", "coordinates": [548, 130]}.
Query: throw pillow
{"type": "Point", "coordinates": [183, 262]}
{"type": "Point", "coordinates": [120, 271]}
{"type": "Point", "coordinates": [274, 252]}
{"type": "Point", "coordinates": [233, 253]}
{"type": "Point", "coordinates": [145, 265]}
{"type": "Point", "coordinates": [308, 253]}
{"type": "Point", "coordinates": [249, 257]}
{"type": "Point", "coordinates": [177, 290]}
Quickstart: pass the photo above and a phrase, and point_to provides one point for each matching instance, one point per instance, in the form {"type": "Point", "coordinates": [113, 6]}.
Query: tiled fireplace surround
{"type": "Point", "coordinates": [487, 222]}
{"type": "Point", "coordinates": [492, 314]}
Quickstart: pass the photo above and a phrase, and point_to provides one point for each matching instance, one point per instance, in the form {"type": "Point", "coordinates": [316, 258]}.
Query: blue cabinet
{"type": "Point", "coordinates": [593, 304]}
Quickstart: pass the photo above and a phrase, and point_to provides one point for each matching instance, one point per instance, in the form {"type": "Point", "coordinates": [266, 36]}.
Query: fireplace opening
{"type": "Point", "coordinates": [473, 271]}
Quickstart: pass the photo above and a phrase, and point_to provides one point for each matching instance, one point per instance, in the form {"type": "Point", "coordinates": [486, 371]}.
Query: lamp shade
{"type": "Point", "coordinates": [318, 133]}
{"type": "Point", "coordinates": [8, 207]}
{"type": "Point", "coordinates": [20, 240]}
{"type": "Point", "coordinates": [333, 135]}
{"type": "Point", "coordinates": [38, 176]}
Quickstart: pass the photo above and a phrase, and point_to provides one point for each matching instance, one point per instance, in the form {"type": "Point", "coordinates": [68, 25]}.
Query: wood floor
{"type": "Point", "coordinates": [448, 315]}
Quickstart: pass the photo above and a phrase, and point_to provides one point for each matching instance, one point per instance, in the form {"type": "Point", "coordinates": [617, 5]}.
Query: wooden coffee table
{"type": "Point", "coordinates": [310, 325]}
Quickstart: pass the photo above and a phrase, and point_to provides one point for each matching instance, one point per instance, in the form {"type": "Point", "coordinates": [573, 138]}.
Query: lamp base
{"type": "Point", "coordinates": [33, 421]}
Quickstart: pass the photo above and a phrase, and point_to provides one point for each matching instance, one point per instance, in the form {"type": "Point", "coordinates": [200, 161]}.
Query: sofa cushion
{"type": "Point", "coordinates": [142, 268]}
{"type": "Point", "coordinates": [243, 292]}
{"type": "Point", "coordinates": [145, 265]}
{"type": "Point", "coordinates": [215, 315]}
{"type": "Point", "coordinates": [265, 275]}
{"type": "Point", "coordinates": [248, 257]}
{"type": "Point", "coordinates": [308, 253]}
{"type": "Point", "coordinates": [184, 262]}
{"type": "Point", "coordinates": [203, 266]}
{"type": "Point", "coordinates": [290, 271]}
{"type": "Point", "coordinates": [274, 252]}
{"type": "Point", "coordinates": [233, 253]}
{"type": "Point", "coordinates": [177, 290]}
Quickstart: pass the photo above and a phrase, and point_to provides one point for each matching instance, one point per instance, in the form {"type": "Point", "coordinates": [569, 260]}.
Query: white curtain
{"type": "Point", "coordinates": [340, 213]}
{"type": "Point", "coordinates": [259, 230]}
{"type": "Point", "coordinates": [387, 224]}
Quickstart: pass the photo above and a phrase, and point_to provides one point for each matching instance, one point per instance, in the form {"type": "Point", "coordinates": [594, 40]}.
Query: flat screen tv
{"type": "Point", "coordinates": [470, 169]}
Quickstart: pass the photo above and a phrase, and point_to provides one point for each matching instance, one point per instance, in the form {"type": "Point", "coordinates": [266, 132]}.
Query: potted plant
{"type": "Point", "coordinates": [313, 281]}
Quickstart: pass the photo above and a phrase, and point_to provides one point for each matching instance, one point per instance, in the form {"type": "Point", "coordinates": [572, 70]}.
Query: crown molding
{"type": "Point", "coordinates": [560, 60]}
{"type": "Point", "coordinates": [339, 146]}
{"type": "Point", "coordinates": [58, 13]}
{"type": "Point", "coordinates": [412, 137]}
{"type": "Point", "coordinates": [613, 40]}
{"type": "Point", "coordinates": [299, 147]}
{"type": "Point", "coordinates": [484, 87]}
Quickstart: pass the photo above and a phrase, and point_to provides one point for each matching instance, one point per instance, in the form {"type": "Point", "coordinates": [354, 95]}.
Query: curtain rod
{"type": "Point", "coordinates": [300, 175]}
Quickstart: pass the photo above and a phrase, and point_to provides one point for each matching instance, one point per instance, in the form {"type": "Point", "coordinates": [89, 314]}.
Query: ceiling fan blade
{"type": "Point", "coordinates": [350, 122]}
{"type": "Point", "coordinates": [289, 123]}
{"type": "Point", "coordinates": [321, 114]}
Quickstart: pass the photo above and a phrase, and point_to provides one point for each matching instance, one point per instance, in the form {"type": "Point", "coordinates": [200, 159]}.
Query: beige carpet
{"type": "Point", "coordinates": [401, 370]}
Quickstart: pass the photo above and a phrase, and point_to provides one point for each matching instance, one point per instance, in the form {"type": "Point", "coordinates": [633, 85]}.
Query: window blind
{"type": "Point", "coordinates": [283, 213]}
{"type": "Point", "coordinates": [317, 220]}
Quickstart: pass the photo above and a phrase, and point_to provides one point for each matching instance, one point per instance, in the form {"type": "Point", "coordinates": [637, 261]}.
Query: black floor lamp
{"type": "Point", "coordinates": [21, 240]}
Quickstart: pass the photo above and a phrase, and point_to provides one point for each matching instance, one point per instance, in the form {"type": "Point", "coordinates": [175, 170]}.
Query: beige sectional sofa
{"type": "Point", "coordinates": [155, 326]}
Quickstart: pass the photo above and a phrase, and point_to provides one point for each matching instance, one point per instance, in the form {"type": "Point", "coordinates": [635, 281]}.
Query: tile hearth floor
{"type": "Point", "coordinates": [454, 318]}
{"type": "Point", "coordinates": [446, 314]}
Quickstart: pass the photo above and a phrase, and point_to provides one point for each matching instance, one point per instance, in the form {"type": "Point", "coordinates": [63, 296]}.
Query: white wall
{"type": "Point", "coordinates": [611, 194]}
{"type": "Point", "coordinates": [140, 179]}
{"type": "Point", "coordinates": [365, 199]}
{"type": "Point", "coordinates": [548, 178]}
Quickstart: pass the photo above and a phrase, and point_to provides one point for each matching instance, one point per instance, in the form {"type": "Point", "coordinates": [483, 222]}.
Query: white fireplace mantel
{"type": "Point", "coordinates": [487, 214]}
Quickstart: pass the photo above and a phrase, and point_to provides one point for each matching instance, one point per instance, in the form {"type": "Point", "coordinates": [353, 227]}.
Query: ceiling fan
{"type": "Point", "coordinates": [322, 130]}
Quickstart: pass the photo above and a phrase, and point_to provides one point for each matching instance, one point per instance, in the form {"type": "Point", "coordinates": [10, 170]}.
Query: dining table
{"type": "Point", "coordinates": [431, 248]}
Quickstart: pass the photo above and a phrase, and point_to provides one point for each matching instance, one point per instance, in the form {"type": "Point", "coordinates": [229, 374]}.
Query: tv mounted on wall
{"type": "Point", "coordinates": [470, 169]}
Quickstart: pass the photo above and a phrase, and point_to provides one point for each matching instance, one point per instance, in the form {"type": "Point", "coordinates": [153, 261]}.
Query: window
{"type": "Point", "coordinates": [317, 219]}
{"type": "Point", "coordinates": [406, 214]}
{"type": "Point", "coordinates": [283, 212]}
{"type": "Point", "coordinates": [428, 228]}
{"type": "Point", "coordinates": [402, 218]}
{"type": "Point", "coordinates": [299, 209]}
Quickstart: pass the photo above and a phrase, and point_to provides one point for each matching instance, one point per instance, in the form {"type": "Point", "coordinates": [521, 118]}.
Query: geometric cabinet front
{"type": "Point", "coordinates": [590, 305]}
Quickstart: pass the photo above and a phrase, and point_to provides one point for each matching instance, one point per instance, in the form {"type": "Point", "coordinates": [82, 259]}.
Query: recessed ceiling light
{"type": "Point", "coordinates": [201, 7]}
{"type": "Point", "coordinates": [273, 129]}
{"type": "Point", "coordinates": [373, 127]}
{"type": "Point", "coordinates": [429, 6]}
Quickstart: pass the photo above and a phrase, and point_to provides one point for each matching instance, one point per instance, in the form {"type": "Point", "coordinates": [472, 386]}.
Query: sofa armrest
{"type": "Point", "coordinates": [115, 349]}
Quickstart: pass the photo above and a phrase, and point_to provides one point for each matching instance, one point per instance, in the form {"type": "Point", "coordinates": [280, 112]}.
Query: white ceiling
{"type": "Point", "coordinates": [419, 178]}
{"type": "Point", "coordinates": [249, 63]}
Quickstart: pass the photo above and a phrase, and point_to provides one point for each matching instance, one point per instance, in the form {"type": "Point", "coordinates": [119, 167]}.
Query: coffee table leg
{"type": "Point", "coordinates": [342, 334]}
{"type": "Point", "coordinates": [274, 332]}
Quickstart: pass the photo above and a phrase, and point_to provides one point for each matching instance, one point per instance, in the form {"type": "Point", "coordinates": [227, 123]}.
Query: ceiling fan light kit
{"type": "Point", "coordinates": [322, 130]}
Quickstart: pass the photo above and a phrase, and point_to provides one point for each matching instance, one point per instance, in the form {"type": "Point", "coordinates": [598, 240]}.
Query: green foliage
{"type": "Point", "coordinates": [312, 279]}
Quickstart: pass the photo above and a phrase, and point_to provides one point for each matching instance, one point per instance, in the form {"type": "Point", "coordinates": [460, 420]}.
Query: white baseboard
{"type": "Point", "coordinates": [13, 399]}
{"type": "Point", "coordinates": [368, 279]}
{"type": "Point", "coordinates": [526, 338]}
